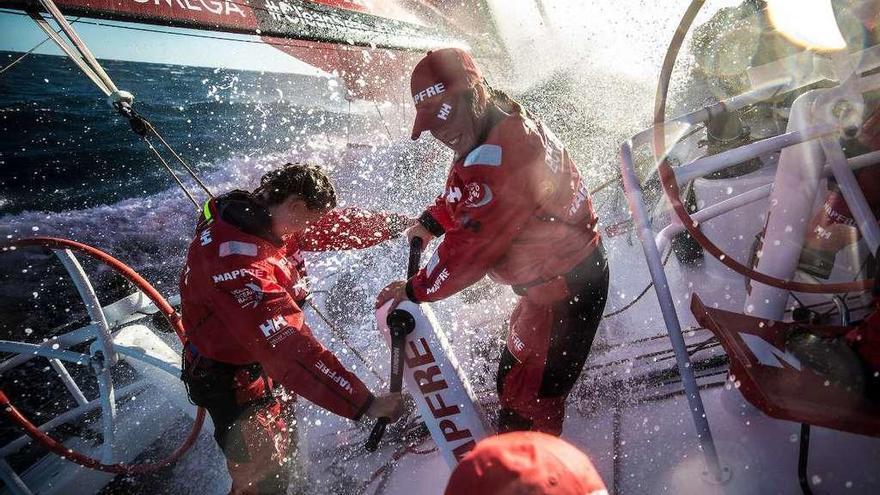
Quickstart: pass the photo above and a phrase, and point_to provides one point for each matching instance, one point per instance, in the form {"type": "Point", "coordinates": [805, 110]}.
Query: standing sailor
{"type": "Point", "coordinates": [242, 294]}
{"type": "Point", "coordinates": [514, 208]}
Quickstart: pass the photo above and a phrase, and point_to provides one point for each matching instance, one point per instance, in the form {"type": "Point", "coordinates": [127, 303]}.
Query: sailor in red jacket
{"type": "Point", "coordinates": [515, 209]}
{"type": "Point", "coordinates": [242, 293]}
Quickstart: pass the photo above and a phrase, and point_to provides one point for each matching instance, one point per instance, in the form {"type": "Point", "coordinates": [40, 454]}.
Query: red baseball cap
{"type": "Point", "coordinates": [525, 463]}
{"type": "Point", "coordinates": [439, 74]}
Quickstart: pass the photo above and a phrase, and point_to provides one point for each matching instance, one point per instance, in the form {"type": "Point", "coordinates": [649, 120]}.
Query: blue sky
{"type": "Point", "coordinates": [20, 33]}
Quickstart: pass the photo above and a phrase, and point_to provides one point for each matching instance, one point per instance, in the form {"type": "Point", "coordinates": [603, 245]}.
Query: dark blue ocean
{"type": "Point", "coordinates": [64, 148]}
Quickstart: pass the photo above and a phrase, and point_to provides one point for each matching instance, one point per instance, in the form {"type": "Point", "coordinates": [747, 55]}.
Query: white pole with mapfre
{"type": "Point", "coordinates": [433, 377]}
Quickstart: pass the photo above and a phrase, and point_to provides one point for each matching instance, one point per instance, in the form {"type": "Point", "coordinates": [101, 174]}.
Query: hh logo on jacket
{"type": "Point", "coordinates": [272, 326]}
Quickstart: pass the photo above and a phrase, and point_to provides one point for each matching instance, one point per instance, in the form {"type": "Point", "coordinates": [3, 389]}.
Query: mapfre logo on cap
{"type": "Point", "coordinates": [429, 92]}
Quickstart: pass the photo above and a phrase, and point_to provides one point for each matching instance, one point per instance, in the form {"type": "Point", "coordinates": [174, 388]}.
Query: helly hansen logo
{"type": "Point", "coordinates": [552, 151]}
{"type": "Point", "coordinates": [582, 194]}
{"type": "Point", "coordinates": [429, 92]}
{"type": "Point", "coordinates": [339, 380]}
{"type": "Point", "coordinates": [234, 274]}
{"type": "Point", "coordinates": [445, 109]}
{"type": "Point", "coordinates": [272, 326]}
{"type": "Point", "coordinates": [453, 194]}
{"type": "Point", "coordinates": [444, 274]}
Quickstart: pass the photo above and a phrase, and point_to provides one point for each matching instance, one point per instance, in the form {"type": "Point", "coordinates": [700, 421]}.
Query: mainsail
{"type": "Point", "coordinates": [371, 48]}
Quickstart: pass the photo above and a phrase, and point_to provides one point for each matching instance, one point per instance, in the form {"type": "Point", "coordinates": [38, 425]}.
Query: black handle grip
{"type": "Point", "coordinates": [399, 325]}
{"type": "Point", "coordinates": [376, 435]}
{"type": "Point", "coordinates": [415, 256]}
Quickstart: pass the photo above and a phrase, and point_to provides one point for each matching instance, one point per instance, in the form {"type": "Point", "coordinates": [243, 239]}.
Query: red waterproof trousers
{"type": "Point", "coordinates": [550, 335]}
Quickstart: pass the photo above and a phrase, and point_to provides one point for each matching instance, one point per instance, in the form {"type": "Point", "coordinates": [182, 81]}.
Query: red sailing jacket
{"type": "Point", "coordinates": [239, 293]}
{"type": "Point", "coordinates": [514, 208]}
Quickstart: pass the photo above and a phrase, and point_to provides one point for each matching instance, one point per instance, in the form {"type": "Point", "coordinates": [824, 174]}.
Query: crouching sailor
{"type": "Point", "coordinates": [515, 208]}
{"type": "Point", "coordinates": [242, 293]}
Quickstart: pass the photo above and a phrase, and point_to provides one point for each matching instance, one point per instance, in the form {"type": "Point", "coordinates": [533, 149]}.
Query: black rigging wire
{"type": "Point", "coordinates": [641, 295]}
{"type": "Point", "coordinates": [38, 45]}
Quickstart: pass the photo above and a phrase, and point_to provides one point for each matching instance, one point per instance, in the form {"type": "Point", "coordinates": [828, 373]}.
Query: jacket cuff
{"type": "Point", "coordinates": [360, 412]}
{"type": "Point", "coordinates": [410, 292]}
{"type": "Point", "coordinates": [430, 223]}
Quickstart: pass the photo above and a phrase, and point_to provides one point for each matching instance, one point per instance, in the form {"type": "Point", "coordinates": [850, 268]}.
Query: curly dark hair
{"type": "Point", "coordinates": [305, 181]}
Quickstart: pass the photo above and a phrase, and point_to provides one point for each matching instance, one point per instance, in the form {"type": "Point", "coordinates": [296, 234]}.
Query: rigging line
{"type": "Point", "coordinates": [336, 332]}
{"type": "Point", "coordinates": [38, 45]}
{"type": "Point", "coordinates": [846, 295]}
{"type": "Point", "coordinates": [44, 25]}
{"type": "Point", "coordinates": [384, 123]}
{"type": "Point", "coordinates": [642, 294]}
{"type": "Point", "coordinates": [606, 184]}
{"type": "Point", "coordinates": [170, 171]}
{"type": "Point", "coordinates": [179, 159]}
{"type": "Point", "coordinates": [78, 43]}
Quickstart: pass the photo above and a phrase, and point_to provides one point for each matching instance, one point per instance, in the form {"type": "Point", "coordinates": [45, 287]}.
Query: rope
{"type": "Point", "coordinates": [605, 184]}
{"type": "Point", "coordinates": [642, 294]}
{"type": "Point", "coordinates": [25, 54]}
{"type": "Point", "coordinates": [179, 159]}
{"type": "Point", "coordinates": [384, 123]}
{"type": "Point", "coordinates": [69, 52]}
{"type": "Point", "coordinates": [90, 66]}
{"type": "Point", "coordinates": [338, 334]}
{"type": "Point", "coordinates": [78, 43]}
{"type": "Point", "coordinates": [170, 171]}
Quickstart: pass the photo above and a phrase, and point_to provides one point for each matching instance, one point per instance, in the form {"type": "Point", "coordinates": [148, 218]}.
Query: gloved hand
{"type": "Point", "coordinates": [386, 406]}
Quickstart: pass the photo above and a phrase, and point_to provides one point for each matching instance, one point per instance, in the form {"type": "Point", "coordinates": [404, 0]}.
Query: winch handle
{"type": "Point", "coordinates": [400, 324]}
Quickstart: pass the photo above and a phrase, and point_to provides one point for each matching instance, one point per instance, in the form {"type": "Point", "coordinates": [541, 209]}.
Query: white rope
{"type": "Point", "coordinates": [119, 100]}
{"type": "Point", "coordinates": [25, 54]}
{"type": "Point", "coordinates": [69, 52]}
{"type": "Point", "coordinates": [78, 44]}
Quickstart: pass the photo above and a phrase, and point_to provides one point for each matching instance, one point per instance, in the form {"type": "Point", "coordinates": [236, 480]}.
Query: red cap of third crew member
{"type": "Point", "coordinates": [525, 463]}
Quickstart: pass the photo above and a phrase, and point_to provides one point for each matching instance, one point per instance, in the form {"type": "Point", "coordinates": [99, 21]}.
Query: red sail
{"type": "Point", "coordinates": [372, 49]}
{"type": "Point", "coordinates": [297, 19]}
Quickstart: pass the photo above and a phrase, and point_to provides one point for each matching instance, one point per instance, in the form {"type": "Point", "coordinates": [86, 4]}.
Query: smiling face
{"type": "Point", "coordinates": [461, 128]}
